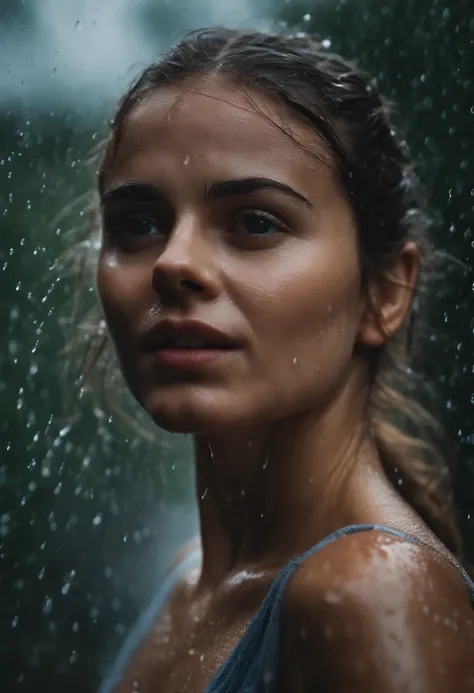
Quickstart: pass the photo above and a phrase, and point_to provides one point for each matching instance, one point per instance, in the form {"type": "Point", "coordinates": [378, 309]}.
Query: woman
{"type": "Point", "coordinates": [261, 246]}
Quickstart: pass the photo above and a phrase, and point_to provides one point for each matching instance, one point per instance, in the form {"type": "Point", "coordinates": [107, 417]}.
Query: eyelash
{"type": "Point", "coordinates": [119, 225]}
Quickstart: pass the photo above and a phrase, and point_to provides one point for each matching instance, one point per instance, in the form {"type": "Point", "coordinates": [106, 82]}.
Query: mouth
{"type": "Point", "coordinates": [189, 344]}
{"type": "Point", "coordinates": [190, 354]}
{"type": "Point", "coordinates": [182, 342]}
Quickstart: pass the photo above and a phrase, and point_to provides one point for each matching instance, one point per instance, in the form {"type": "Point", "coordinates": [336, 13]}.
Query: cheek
{"type": "Point", "coordinates": [122, 290]}
{"type": "Point", "coordinates": [305, 318]}
{"type": "Point", "coordinates": [305, 298]}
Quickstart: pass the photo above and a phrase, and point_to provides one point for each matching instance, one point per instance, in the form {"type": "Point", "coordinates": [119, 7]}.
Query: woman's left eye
{"type": "Point", "coordinates": [257, 223]}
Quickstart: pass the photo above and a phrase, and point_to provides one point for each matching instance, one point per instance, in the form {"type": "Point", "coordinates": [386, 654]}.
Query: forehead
{"type": "Point", "coordinates": [220, 126]}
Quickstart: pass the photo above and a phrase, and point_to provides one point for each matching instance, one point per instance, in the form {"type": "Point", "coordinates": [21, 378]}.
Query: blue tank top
{"type": "Point", "coordinates": [254, 664]}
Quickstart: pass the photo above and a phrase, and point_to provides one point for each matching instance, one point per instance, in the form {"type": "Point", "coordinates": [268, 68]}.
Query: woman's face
{"type": "Point", "coordinates": [212, 214]}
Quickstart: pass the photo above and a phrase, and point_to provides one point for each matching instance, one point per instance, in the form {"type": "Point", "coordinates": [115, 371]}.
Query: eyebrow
{"type": "Point", "coordinates": [245, 186]}
{"type": "Point", "coordinates": [145, 192]}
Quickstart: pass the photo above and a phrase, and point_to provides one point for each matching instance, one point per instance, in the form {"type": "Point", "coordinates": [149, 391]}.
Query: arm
{"type": "Point", "coordinates": [366, 617]}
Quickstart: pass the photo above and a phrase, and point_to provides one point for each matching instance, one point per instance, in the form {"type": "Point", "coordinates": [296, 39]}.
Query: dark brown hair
{"type": "Point", "coordinates": [345, 108]}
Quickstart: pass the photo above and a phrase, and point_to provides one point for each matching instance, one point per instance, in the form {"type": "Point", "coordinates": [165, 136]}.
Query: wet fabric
{"type": "Point", "coordinates": [254, 664]}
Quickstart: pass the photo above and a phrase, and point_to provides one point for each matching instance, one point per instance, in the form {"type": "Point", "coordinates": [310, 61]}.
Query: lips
{"type": "Point", "coordinates": [188, 334]}
{"type": "Point", "coordinates": [189, 342]}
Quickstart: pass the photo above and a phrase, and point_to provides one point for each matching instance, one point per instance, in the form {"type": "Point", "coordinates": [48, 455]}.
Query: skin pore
{"type": "Point", "coordinates": [283, 450]}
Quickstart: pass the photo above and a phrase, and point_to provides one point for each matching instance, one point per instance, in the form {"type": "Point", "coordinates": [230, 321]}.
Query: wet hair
{"type": "Point", "coordinates": [345, 109]}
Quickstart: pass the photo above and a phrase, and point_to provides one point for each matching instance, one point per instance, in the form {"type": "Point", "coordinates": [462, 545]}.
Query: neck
{"type": "Point", "coordinates": [267, 495]}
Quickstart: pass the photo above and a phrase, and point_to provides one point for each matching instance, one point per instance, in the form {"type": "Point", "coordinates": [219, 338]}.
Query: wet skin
{"type": "Point", "coordinates": [211, 213]}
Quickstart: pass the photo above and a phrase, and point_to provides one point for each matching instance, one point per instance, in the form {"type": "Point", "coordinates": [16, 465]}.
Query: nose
{"type": "Point", "coordinates": [186, 266]}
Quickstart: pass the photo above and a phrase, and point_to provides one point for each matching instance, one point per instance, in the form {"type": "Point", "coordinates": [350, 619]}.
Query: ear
{"type": "Point", "coordinates": [388, 299]}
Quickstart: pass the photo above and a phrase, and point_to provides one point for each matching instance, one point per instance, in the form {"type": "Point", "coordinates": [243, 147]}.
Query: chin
{"type": "Point", "coordinates": [191, 415]}
{"type": "Point", "coordinates": [189, 424]}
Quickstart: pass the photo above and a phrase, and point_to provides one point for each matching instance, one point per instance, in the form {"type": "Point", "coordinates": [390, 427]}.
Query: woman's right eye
{"type": "Point", "coordinates": [137, 225]}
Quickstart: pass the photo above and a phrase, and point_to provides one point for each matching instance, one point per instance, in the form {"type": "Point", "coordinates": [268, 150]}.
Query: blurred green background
{"type": "Point", "coordinates": [91, 514]}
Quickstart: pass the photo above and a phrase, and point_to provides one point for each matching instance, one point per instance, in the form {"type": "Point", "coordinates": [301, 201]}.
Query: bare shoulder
{"type": "Point", "coordinates": [373, 612]}
{"type": "Point", "coordinates": [149, 644]}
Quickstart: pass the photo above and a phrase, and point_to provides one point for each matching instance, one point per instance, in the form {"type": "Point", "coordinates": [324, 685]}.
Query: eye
{"type": "Point", "coordinates": [131, 225]}
{"type": "Point", "coordinates": [257, 223]}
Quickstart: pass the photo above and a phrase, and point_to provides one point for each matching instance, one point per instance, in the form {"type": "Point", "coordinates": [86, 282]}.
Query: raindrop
{"type": "Point", "coordinates": [78, 25]}
{"type": "Point", "coordinates": [326, 43]}
{"type": "Point", "coordinates": [47, 605]}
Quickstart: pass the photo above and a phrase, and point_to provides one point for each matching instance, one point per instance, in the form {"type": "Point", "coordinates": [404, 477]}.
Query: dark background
{"type": "Point", "coordinates": [90, 514]}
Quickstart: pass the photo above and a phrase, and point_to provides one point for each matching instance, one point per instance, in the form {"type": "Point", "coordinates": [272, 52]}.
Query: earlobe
{"type": "Point", "coordinates": [388, 299]}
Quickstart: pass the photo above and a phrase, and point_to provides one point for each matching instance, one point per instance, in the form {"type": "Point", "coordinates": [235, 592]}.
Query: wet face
{"type": "Point", "coordinates": [211, 214]}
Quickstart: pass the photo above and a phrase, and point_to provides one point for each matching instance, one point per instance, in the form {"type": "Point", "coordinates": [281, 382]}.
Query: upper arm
{"type": "Point", "coordinates": [366, 618]}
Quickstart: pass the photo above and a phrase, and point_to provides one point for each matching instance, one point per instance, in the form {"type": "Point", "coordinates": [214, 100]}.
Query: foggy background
{"type": "Point", "coordinates": [90, 514]}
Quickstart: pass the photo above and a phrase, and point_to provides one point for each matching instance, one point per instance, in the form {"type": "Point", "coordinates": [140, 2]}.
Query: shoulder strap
{"type": "Point", "coordinates": [269, 654]}
{"type": "Point", "coordinates": [253, 664]}
{"type": "Point", "coordinates": [185, 559]}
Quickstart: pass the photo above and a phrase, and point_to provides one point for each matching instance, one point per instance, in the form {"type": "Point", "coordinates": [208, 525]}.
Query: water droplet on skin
{"type": "Point", "coordinates": [191, 651]}
{"type": "Point", "coordinates": [186, 160]}
{"type": "Point", "coordinates": [295, 361]}
{"type": "Point", "coordinates": [332, 598]}
{"type": "Point", "coordinates": [204, 494]}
